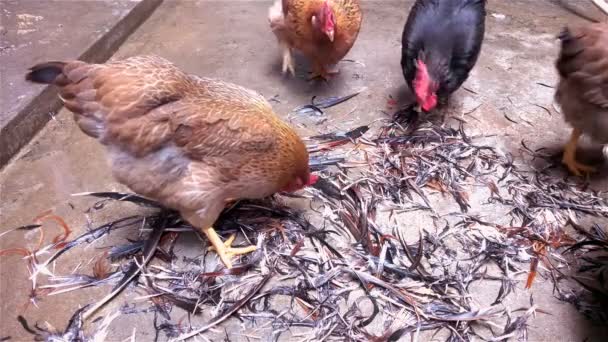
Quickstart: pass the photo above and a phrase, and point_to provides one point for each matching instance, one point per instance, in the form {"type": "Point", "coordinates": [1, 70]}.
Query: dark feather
{"type": "Point", "coordinates": [45, 73]}
{"type": "Point", "coordinates": [447, 35]}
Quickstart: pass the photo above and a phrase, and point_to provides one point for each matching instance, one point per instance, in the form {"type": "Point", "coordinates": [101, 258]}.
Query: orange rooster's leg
{"type": "Point", "coordinates": [224, 249]}
{"type": "Point", "coordinates": [569, 157]}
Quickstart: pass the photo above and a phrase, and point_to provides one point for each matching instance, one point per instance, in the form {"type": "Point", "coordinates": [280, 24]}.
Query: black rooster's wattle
{"type": "Point", "coordinates": [447, 36]}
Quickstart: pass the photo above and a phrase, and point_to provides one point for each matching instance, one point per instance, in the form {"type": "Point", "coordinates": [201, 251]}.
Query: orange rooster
{"type": "Point", "coordinates": [323, 30]}
{"type": "Point", "coordinates": [190, 143]}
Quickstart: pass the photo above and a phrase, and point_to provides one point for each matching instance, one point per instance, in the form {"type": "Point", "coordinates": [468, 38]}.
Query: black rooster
{"type": "Point", "coordinates": [441, 42]}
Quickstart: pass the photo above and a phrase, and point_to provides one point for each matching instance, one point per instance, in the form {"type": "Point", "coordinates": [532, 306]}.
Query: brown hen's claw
{"type": "Point", "coordinates": [569, 158]}
{"type": "Point", "coordinates": [224, 249]}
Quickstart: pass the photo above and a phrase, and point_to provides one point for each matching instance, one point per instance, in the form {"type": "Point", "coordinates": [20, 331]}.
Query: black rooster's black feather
{"type": "Point", "coordinates": [447, 35]}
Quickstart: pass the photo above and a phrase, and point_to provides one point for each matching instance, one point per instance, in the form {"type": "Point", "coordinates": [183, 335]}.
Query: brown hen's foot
{"type": "Point", "coordinates": [569, 158]}
{"type": "Point", "coordinates": [224, 249]}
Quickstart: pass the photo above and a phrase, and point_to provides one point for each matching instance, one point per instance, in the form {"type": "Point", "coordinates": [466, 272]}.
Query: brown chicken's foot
{"type": "Point", "coordinates": [224, 249]}
{"type": "Point", "coordinates": [569, 158]}
{"type": "Point", "coordinates": [578, 168]}
{"type": "Point", "coordinates": [332, 70]}
{"type": "Point", "coordinates": [323, 73]}
{"type": "Point", "coordinates": [288, 65]}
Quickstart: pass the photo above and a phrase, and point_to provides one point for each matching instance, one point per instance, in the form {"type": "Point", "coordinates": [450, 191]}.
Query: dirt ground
{"type": "Point", "coordinates": [231, 40]}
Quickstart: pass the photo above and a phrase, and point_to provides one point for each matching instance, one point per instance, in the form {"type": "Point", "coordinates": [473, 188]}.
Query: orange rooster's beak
{"type": "Point", "coordinates": [330, 35]}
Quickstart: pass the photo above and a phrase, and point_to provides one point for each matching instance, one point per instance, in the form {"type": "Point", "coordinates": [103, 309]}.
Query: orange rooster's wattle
{"type": "Point", "coordinates": [190, 143]}
{"type": "Point", "coordinates": [323, 30]}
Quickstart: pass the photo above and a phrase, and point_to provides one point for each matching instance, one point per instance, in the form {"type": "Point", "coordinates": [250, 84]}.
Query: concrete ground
{"type": "Point", "coordinates": [231, 40]}
{"type": "Point", "coordinates": [33, 30]}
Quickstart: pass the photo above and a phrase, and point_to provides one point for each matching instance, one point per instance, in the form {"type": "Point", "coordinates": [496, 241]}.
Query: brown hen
{"type": "Point", "coordinates": [323, 30]}
{"type": "Point", "coordinates": [189, 142]}
{"type": "Point", "coordinates": [582, 91]}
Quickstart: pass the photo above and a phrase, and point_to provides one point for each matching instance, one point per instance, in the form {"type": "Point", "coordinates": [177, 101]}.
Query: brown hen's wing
{"type": "Point", "coordinates": [209, 120]}
{"type": "Point", "coordinates": [224, 120]}
{"type": "Point", "coordinates": [125, 102]}
{"type": "Point", "coordinates": [583, 61]}
{"type": "Point", "coordinates": [144, 102]}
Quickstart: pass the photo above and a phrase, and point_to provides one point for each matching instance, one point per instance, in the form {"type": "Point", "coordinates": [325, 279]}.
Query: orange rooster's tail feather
{"type": "Point", "coordinates": [45, 73]}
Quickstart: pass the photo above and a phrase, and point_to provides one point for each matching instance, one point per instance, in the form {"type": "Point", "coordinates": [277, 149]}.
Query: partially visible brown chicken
{"type": "Point", "coordinates": [582, 91]}
{"type": "Point", "coordinates": [190, 143]}
{"type": "Point", "coordinates": [323, 30]}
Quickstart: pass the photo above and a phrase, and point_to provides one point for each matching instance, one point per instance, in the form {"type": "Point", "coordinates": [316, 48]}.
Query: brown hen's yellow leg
{"type": "Point", "coordinates": [569, 157]}
{"type": "Point", "coordinates": [224, 249]}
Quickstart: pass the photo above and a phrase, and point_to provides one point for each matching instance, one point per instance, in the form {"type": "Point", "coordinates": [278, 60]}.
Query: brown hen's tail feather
{"type": "Point", "coordinates": [63, 75]}
{"type": "Point", "coordinates": [45, 73]}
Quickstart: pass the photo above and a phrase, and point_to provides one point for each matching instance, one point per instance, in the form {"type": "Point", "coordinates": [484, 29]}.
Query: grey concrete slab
{"type": "Point", "coordinates": [231, 40]}
{"type": "Point", "coordinates": [33, 31]}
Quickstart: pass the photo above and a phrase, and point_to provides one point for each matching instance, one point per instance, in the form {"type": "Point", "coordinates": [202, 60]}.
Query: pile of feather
{"type": "Point", "coordinates": [395, 240]}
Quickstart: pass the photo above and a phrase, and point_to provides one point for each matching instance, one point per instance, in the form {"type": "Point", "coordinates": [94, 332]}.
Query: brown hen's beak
{"type": "Point", "coordinates": [330, 35]}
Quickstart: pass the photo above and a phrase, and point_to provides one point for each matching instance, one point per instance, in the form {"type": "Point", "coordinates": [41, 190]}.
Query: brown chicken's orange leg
{"type": "Point", "coordinates": [569, 157]}
{"type": "Point", "coordinates": [288, 61]}
{"type": "Point", "coordinates": [322, 72]}
{"type": "Point", "coordinates": [224, 249]}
